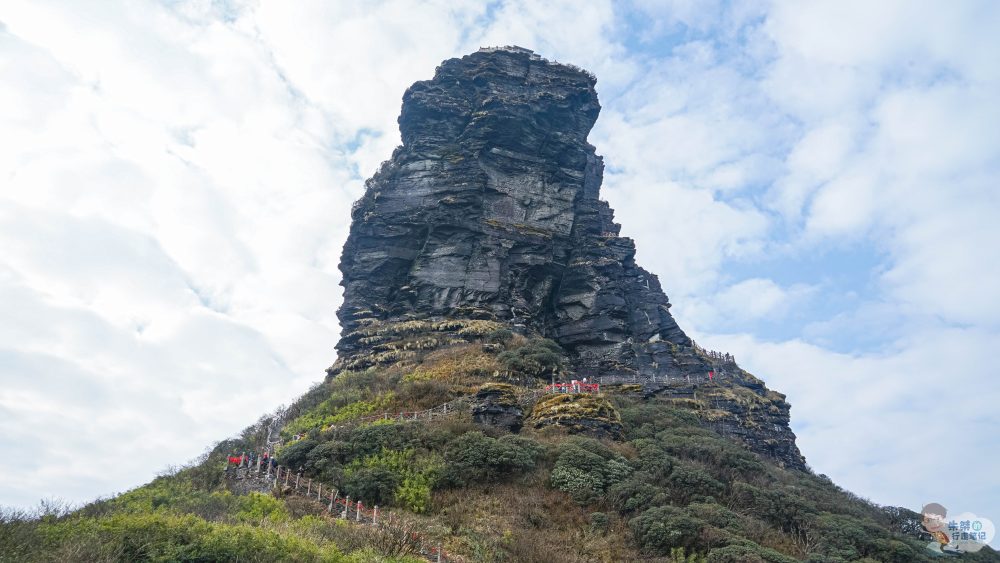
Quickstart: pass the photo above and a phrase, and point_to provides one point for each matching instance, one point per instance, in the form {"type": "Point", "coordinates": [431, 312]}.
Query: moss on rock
{"type": "Point", "coordinates": [578, 413]}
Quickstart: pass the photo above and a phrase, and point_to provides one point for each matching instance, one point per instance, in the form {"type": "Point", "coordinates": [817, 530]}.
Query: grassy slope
{"type": "Point", "coordinates": [670, 490]}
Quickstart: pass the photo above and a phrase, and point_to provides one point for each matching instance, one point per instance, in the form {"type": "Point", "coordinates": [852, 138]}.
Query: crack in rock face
{"type": "Point", "coordinates": [490, 209]}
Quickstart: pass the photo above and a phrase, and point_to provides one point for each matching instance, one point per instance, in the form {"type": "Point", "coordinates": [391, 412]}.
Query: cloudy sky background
{"type": "Point", "coordinates": [816, 186]}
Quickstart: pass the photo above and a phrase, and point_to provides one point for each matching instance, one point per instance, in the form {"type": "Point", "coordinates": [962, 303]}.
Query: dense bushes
{"type": "Point", "coordinates": [585, 469]}
{"type": "Point", "coordinates": [537, 358]}
{"type": "Point", "coordinates": [683, 492]}
{"type": "Point", "coordinates": [660, 529]}
{"type": "Point", "coordinates": [475, 458]}
{"type": "Point", "coordinates": [392, 476]}
{"type": "Point", "coordinates": [747, 552]}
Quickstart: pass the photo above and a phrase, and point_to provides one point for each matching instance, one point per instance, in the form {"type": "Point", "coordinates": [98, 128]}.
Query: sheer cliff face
{"type": "Point", "coordinates": [491, 209]}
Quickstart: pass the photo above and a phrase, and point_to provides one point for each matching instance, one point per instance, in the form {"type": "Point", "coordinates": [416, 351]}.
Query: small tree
{"type": "Point", "coordinates": [538, 358]}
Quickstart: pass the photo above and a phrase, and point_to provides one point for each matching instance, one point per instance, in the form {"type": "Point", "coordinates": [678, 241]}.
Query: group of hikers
{"type": "Point", "coordinates": [247, 459]}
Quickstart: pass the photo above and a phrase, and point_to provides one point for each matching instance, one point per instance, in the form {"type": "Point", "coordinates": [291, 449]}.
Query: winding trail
{"type": "Point", "coordinates": [269, 477]}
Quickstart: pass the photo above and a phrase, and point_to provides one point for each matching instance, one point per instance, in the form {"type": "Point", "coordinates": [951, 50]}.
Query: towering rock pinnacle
{"type": "Point", "coordinates": [491, 210]}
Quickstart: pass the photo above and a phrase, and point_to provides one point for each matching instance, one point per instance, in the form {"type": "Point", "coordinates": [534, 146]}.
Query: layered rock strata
{"type": "Point", "coordinates": [490, 210]}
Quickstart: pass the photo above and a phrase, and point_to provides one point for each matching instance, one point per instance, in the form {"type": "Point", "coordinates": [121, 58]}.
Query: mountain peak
{"type": "Point", "coordinates": [490, 210]}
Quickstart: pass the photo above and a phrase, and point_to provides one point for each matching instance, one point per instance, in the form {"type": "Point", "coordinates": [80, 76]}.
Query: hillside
{"type": "Point", "coordinates": [510, 385]}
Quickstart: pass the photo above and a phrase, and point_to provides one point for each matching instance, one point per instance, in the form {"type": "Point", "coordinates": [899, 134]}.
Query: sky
{"type": "Point", "coordinates": [815, 184]}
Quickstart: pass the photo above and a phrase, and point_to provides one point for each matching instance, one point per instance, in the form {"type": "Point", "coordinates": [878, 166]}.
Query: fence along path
{"type": "Point", "coordinates": [657, 379]}
{"type": "Point", "coordinates": [340, 507]}
{"type": "Point", "coordinates": [444, 409]}
{"type": "Point", "coordinates": [441, 410]}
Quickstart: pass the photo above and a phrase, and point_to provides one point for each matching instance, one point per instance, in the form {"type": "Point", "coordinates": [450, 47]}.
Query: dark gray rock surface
{"type": "Point", "coordinates": [490, 210]}
{"type": "Point", "coordinates": [497, 406]}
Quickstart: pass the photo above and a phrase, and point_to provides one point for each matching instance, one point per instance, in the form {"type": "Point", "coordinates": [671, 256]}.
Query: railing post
{"type": "Point", "coordinates": [439, 554]}
{"type": "Point", "coordinates": [287, 472]}
{"type": "Point", "coordinates": [333, 499]}
{"type": "Point", "coordinates": [309, 488]}
{"type": "Point", "coordinates": [347, 506]}
{"type": "Point", "coordinates": [297, 476]}
{"type": "Point", "coordinates": [357, 512]}
{"type": "Point", "coordinates": [375, 516]}
{"type": "Point", "coordinates": [319, 492]}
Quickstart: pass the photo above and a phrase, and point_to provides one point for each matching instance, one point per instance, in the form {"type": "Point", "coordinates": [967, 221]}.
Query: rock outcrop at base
{"type": "Point", "coordinates": [497, 405]}
{"type": "Point", "coordinates": [581, 413]}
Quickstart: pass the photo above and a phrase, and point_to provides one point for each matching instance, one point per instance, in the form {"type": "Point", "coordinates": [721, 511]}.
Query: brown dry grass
{"type": "Point", "coordinates": [464, 364]}
{"type": "Point", "coordinates": [530, 523]}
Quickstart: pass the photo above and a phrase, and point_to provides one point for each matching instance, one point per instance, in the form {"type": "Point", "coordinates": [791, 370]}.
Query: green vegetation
{"type": "Point", "coordinates": [401, 477]}
{"type": "Point", "coordinates": [537, 358]}
{"type": "Point", "coordinates": [328, 413]}
{"type": "Point", "coordinates": [660, 487]}
{"type": "Point", "coordinates": [476, 458]}
{"type": "Point", "coordinates": [585, 469]}
{"type": "Point", "coordinates": [172, 520]}
{"type": "Point", "coordinates": [578, 413]}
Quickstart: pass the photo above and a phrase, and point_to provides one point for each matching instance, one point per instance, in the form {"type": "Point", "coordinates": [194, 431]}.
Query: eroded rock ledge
{"type": "Point", "coordinates": [490, 211]}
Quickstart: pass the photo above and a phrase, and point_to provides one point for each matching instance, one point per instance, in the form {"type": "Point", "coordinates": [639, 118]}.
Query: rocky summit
{"type": "Point", "coordinates": [491, 210]}
{"type": "Point", "coordinates": [510, 386]}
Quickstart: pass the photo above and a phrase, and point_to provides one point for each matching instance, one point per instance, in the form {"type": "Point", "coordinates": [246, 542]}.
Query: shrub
{"type": "Point", "coordinates": [537, 358]}
{"type": "Point", "coordinates": [474, 457]}
{"type": "Point", "coordinates": [256, 507]}
{"type": "Point", "coordinates": [499, 336]}
{"type": "Point", "coordinates": [399, 476]}
{"type": "Point", "coordinates": [296, 454]}
{"type": "Point", "coordinates": [747, 552]}
{"type": "Point", "coordinates": [660, 529]}
{"type": "Point", "coordinates": [585, 468]}
{"type": "Point", "coordinates": [599, 521]}
{"type": "Point", "coordinates": [636, 494]}
{"type": "Point", "coordinates": [414, 493]}
{"type": "Point", "coordinates": [584, 487]}
{"type": "Point", "coordinates": [652, 458]}
{"type": "Point", "coordinates": [372, 484]}
{"type": "Point", "coordinates": [688, 484]}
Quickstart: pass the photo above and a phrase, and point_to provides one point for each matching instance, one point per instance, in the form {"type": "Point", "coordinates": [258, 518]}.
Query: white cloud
{"type": "Point", "coordinates": [752, 299]}
{"type": "Point", "coordinates": [896, 427]}
{"type": "Point", "coordinates": [176, 179]}
{"type": "Point", "coordinates": [176, 191]}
